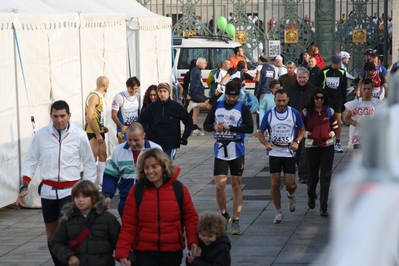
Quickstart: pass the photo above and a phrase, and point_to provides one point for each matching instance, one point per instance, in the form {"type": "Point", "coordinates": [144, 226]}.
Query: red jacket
{"type": "Point", "coordinates": [319, 125]}
{"type": "Point", "coordinates": [156, 226]}
{"type": "Point", "coordinates": [319, 61]}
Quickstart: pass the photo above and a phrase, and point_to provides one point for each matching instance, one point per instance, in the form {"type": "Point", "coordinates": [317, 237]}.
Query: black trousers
{"type": "Point", "coordinates": [319, 160]}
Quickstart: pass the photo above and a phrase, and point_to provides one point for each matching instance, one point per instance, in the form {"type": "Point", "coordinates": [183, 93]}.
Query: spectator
{"type": "Point", "coordinates": [150, 96]}
{"type": "Point", "coordinates": [163, 118]}
{"type": "Point", "coordinates": [239, 56]}
{"type": "Point", "coordinates": [214, 246]}
{"type": "Point", "coordinates": [87, 211]}
{"type": "Point", "coordinates": [268, 100]}
{"type": "Point", "coordinates": [153, 220]}
{"type": "Point", "coordinates": [306, 57]}
{"type": "Point", "coordinates": [288, 79]}
{"type": "Point", "coordinates": [314, 51]}
{"type": "Point", "coordinates": [278, 63]}
{"type": "Point", "coordinates": [314, 71]}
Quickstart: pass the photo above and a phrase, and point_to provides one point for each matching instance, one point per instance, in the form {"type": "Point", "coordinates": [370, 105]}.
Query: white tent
{"type": "Point", "coordinates": [54, 50]}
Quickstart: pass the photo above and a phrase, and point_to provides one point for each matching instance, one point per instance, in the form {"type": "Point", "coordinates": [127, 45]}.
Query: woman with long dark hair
{"type": "Point", "coordinates": [149, 96]}
{"type": "Point", "coordinates": [321, 126]}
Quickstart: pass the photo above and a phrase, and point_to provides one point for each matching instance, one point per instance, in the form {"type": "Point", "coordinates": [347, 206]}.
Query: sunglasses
{"type": "Point", "coordinates": [319, 98]}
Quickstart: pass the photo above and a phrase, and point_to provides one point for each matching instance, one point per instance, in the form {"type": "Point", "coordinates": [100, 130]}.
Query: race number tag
{"type": "Point", "coordinates": [269, 74]}
{"type": "Point", "coordinates": [332, 82]}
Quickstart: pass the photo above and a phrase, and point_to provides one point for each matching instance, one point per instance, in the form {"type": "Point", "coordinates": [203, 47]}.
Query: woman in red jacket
{"type": "Point", "coordinates": [313, 50]}
{"type": "Point", "coordinates": [321, 126]}
{"type": "Point", "coordinates": [152, 223]}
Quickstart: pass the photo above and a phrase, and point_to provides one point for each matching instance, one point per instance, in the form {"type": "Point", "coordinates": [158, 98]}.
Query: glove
{"type": "Point", "coordinates": [183, 141]}
{"type": "Point", "coordinates": [259, 67]}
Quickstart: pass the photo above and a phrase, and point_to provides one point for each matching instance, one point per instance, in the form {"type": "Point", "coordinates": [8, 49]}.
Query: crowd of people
{"type": "Point", "coordinates": [298, 119]}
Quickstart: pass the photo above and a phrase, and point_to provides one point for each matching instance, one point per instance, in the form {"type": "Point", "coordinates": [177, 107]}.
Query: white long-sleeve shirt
{"type": "Point", "coordinates": [60, 154]}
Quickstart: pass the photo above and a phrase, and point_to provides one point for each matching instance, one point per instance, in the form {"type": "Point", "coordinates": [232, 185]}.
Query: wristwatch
{"type": "Point", "coordinates": [297, 141]}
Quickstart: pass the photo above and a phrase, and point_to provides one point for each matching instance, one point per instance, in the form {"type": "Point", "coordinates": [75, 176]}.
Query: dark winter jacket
{"type": "Point", "coordinates": [98, 247]}
{"type": "Point", "coordinates": [156, 225]}
{"type": "Point", "coordinates": [217, 253]}
{"type": "Point", "coordinates": [299, 95]}
{"type": "Point", "coordinates": [163, 120]}
{"type": "Point", "coordinates": [318, 125]}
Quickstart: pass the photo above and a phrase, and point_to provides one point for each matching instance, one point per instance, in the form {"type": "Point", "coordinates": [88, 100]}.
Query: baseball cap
{"type": "Point", "coordinates": [344, 54]}
{"type": "Point", "coordinates": [278, 57]}
{"type": "Point", "coordinates": [336, 59]}
{"type": "Point", "coordinates": [369, 51]}
{"type": "Point", "coordinates": [263, 59]}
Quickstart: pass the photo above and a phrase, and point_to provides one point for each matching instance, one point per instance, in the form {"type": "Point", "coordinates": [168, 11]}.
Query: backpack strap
{"type": "Point", "coordinates": [138, 193]}
{"type": "Point", "coordinates": [177, 189]}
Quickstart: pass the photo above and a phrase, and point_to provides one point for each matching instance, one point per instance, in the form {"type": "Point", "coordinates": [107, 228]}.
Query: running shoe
{"type": "Point", "coordinates": [311, 203]}
{"type": "Point", "coordinates": [227, 217]}
{"type": "Point", "coordinates": [279, 218]}
{"type": "Point", "coordinates": [323, 213]}
{"type": "Point", "coordinates": [338, 148]}
{"type": "Point", "coordinates": [235, 228]}
{"type": "Point", "coordinates": [291, 203]}
{"type": "Point", "coordinates": [197, 132]}
{"type": "Point", "coordinates": [191, 106]}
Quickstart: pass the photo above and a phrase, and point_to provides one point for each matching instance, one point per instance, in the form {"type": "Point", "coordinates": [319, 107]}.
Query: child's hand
{"type": "Point", "coordinates": [73, 261]}
{"type": "Point", "coordinates": [190, 258]}
{"type": "Point", "coordinates": [125, 262]}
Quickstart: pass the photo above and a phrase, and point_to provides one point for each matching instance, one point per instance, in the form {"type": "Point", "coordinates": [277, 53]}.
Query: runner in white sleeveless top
{"type": "Point", "coordinates": [359, 110]}
{"type": "Point", "coordinates": [282, 122]}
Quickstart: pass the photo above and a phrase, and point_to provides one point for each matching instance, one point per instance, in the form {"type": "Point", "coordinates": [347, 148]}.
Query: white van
{"type": "Point", "coordinates": [214, 49]}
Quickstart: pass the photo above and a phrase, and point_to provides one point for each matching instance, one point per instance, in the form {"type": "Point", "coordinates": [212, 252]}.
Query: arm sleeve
{"type": "Point", "coordinates": [262, 108]}
{"type": "Point", "coordinates": [32, 158]}
{"type": "Point", "coordinates": [117, 102]}
{"type": "Point", "coordinates": [299, 122]}
{"type": "Point", "coordinates": [113, 230]}
{"type": "Point", "coordinates": [210, 119]}
{"type": "Point", "coordinates": [59, 243]}
{"type": "Point", "coordinates": [111, 175]}
{"type": "Point", "coordinates": [247, 125]}
{"type": "Point", "coordinates": [190, 218]}
{"type": "Point", "coordinates": [382, 78]}
{"type": "Point", "coordinates": [129, 227]}
{"type": "Point", "coordinates": [187, 121]}
{"type": "Point", "coordinates": [248, 76]}
{"type": "Point", "coordinates": [86, 155]}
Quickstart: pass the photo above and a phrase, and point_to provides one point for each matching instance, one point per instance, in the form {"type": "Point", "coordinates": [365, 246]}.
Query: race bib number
{"type": "Point", "coordinates": [332, 82]}
{"type": "Point", "coordinates": [269, 74]}
{"type": "Point", "coordinates": [281, 141]}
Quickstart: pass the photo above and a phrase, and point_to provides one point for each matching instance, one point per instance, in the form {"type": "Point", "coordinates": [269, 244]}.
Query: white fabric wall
{"type": "Point", "coordinates": [64, 47]}
{"type": "Point", "coordinates": [9, 160]}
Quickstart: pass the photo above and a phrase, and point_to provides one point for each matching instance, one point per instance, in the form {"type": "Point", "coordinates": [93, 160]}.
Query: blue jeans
{"type": "Point", "coordinates": [152, 258]}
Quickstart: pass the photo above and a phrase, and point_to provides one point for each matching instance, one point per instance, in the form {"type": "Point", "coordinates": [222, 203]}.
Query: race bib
{"type": "Point", "coordinates": [332, 82]}
{"type": "Point", "coordinates": [269, 74]}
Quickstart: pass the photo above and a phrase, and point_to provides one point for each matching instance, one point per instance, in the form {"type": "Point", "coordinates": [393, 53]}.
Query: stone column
{"type": "Point", "coordinates": [395, 33]}
{"type": "Point", "coordinates": [325, 14]}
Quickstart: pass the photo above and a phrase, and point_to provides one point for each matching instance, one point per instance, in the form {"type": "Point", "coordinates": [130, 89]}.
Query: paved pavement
{"type": "Point", "coordinates": [298, 241]}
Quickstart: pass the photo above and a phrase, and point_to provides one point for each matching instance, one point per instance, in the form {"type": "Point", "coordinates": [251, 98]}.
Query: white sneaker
{"type": "Point", "coordinates": [197, 132]}
{"type": "Point", "coordinates": [291, 203]}
{"type": "Point", "coordinates": [191, 106]}
{"type": "Point", "coordinates": [279, 218]}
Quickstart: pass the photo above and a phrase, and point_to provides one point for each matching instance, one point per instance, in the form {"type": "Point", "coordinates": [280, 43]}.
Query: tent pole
{"type": "Point", "coordinates": [17, 105]}
{"type": "Point", "coordinates": [81, 75]}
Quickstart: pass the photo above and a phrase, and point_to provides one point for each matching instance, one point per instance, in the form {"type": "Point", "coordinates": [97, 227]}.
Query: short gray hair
{"type": "Point", "coordinates": [302, 70]}
{"type": "Point", "coordinates": [200, 59]}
